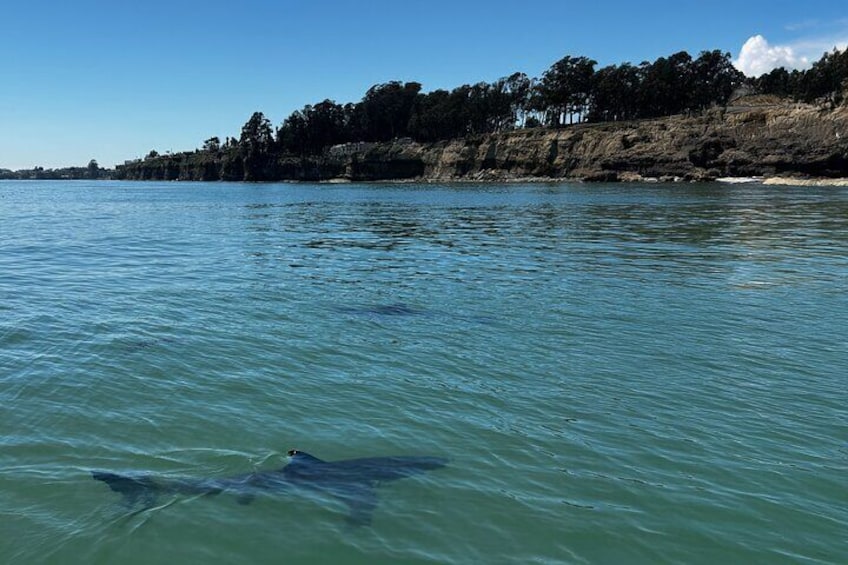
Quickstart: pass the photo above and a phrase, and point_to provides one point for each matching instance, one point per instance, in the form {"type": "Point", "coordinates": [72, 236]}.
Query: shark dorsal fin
{"type": "Point", "coordinates": [302, 457]}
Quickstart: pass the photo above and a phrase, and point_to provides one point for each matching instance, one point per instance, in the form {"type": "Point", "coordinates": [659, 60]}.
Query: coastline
{"type": "Point", "coordinates": [627, 179]}
{"type": "Point", "coordinates": [783, 143]}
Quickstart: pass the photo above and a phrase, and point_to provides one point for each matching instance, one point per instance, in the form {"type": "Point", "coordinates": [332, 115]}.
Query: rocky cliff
{"type": "Point", "coordinates": [758, 136]}
{"type": "Point", "coordinates": [753, 138]}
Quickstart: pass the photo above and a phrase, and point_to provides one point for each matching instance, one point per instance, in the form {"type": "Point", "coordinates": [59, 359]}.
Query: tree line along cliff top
{"type": "Point", "coordinates": [572, 91]}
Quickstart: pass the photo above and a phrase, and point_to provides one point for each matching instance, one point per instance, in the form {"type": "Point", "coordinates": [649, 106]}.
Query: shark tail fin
{"type": "Point", "coordinates": [137, 491]}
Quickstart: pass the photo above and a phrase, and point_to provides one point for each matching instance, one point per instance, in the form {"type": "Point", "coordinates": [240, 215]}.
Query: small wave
{"type": "Point", "coordinates": [740, 180]}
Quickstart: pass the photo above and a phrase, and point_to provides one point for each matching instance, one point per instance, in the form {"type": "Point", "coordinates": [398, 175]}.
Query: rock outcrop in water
{"type": "Point", "coordinates": [758, 136]}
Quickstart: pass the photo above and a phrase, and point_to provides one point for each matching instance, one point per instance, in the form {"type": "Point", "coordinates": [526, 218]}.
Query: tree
{"type": "Point", "coordinates": [438, 115]}
{"type": "Point", "coordinates": [326, 125]}
{"type": "Point", "coordinates": [565, 88]}
{"type": "Point", "coordinates": [291, 136]}
{"type": "Point", "coordinates": [714, 78]}
{"type": "Point", "coordinates": [519, 87]}
{"type": "Point", "coordinates": [387, 109]}
{"type": "Point", "coordinates": [212, 145]}
{"type": "Point", "coordinates": [497, 105]}
{"type": "Point", "coordinates": [313, 129]}
{"type": "Point", "coordinates": [481, 99]}
{"type": "Point", "coordinates": [257, 132]}
{"type": "Point", "coordinates": [778, 82]}
{"type": "Point", "coordinates": [667, 86]}
{"type": "Point", "coordinates": [255, 144]}
{"type": "Point", "coordinates": [615, 93]}
{"type": "Point", "coordinates": [93, 169]}
{"type": "Point", "coordinates": [825, 80]}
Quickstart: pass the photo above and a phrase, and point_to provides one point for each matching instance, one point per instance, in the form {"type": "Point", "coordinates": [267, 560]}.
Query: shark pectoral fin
{"type": "Point", "coordinates": [137, 491]}
{"type": "Point", "coordinates": [361, 502]}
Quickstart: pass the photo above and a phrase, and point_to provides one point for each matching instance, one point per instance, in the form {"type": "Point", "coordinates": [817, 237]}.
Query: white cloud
{"type": "Point", "coordinates": [758, 57]}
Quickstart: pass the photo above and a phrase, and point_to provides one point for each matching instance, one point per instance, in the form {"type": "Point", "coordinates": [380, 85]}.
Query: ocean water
{"type": "Point", "coordinates": [617, 373]}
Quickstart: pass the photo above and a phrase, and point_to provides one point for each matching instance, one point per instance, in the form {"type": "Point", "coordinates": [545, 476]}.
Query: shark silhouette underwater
{"type": "Point", "coordinates": [352, 481]}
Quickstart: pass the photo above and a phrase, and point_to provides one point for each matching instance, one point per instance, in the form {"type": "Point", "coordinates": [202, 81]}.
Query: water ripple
{"type": "Point", "coordinates": [617, 373]}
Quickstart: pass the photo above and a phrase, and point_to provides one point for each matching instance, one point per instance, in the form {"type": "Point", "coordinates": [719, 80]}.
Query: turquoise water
{"type": "Point", "coordinates": [618, 373]}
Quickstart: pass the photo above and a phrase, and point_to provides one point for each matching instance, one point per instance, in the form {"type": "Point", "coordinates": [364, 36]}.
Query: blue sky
{"type": "Point", "coordinates": [111, 81]}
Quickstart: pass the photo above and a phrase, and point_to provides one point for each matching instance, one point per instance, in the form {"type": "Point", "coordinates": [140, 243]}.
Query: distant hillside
{"type": "Point", "coordinates": [90, 172]}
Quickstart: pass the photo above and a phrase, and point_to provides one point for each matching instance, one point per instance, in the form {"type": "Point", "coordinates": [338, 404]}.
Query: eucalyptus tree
{"type": "Point", "coordinates": [827, 79]}
{"type": "Point", "coordinates": [565, 88]}
{"type": "Point", "coordinates": [387, 109]}
{"type": "Point", "coordinates": [519, 86]}
{"type": "Point", "coordinates": [437, 115]}
{"type": "Point", "coordinates": [779, 82]}
{"type": "Point", "coordinates": [714, 79]}
{"type": "Point", "coordinates": [667, 86]}
{"type": "Point", "coordinates": [616, 90]}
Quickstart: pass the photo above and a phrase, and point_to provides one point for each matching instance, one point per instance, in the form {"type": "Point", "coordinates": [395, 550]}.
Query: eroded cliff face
{"type": "Point", "coordinates": [752, 138]}
{"type": "Point", "coordinates": [758, 136]}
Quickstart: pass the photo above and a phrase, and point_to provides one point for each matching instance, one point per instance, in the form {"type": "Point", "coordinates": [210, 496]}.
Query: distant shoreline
{"type": "Point", "coordinates": [791, 143]}
{"type": "Point", "coordinates": [776, 181]}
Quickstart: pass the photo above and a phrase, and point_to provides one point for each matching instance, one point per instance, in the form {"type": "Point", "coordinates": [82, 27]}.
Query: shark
{"type": "Point", "coordinates": [351, 481]}
{"type": "Point", "coordinates": [383, 311]}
